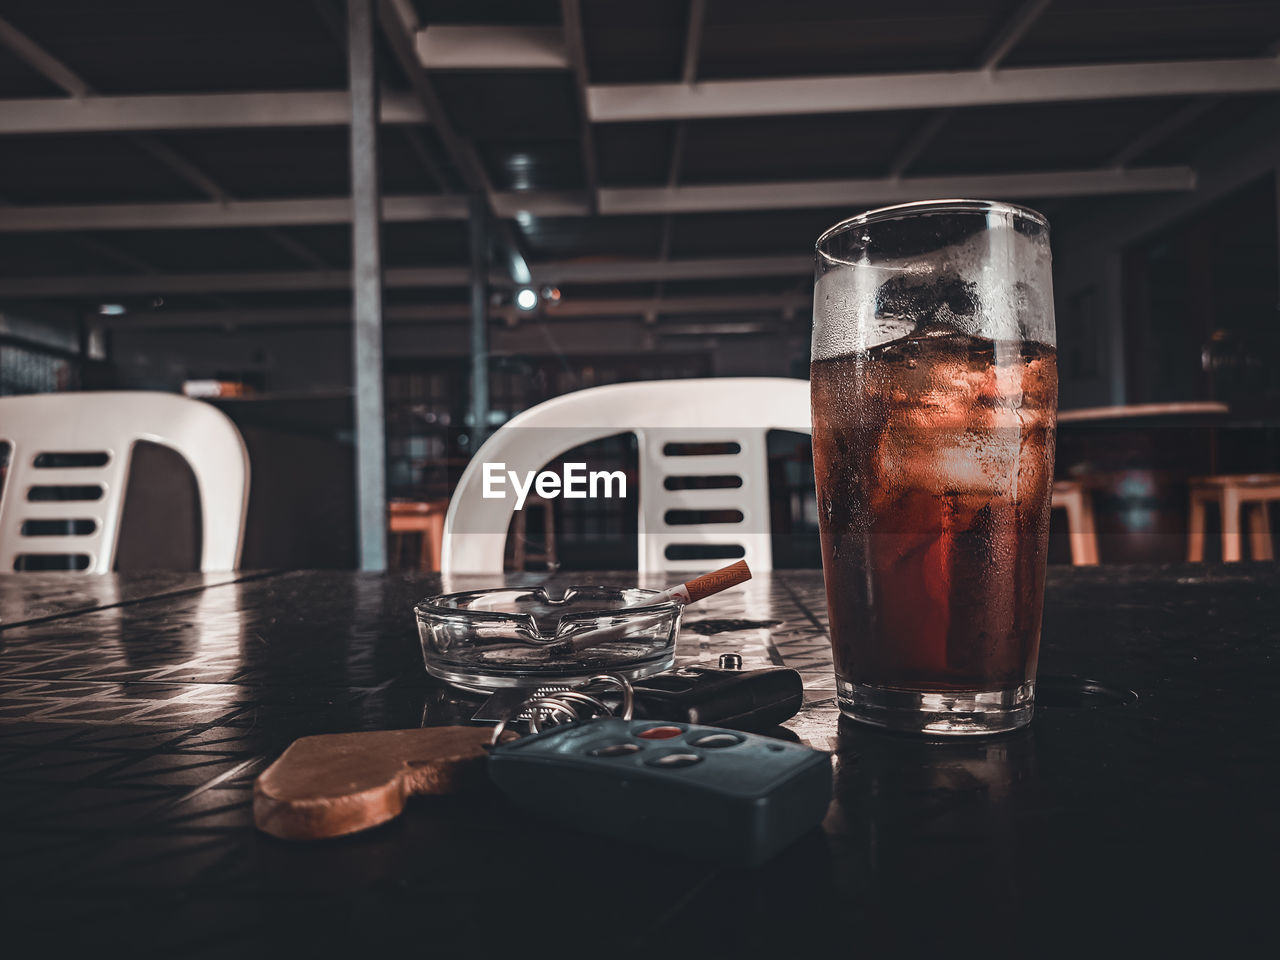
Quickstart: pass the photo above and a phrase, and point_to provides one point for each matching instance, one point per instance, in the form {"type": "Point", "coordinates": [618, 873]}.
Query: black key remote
{"type": "Point", "coordinates": [750, 700]}
{"type": "Point", "coordinates": [737, 699]}
{"type": "Point", "coordinates": [689, 790]}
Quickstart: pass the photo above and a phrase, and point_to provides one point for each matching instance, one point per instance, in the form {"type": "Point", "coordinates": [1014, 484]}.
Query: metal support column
{"type": "Point", "coordinates": [479, 321]}
{"type": "Point", "coordinates": [1277, 175]}
{"type": "Point", "coordinates": [1112, 306]}
{"type": "Point", "coordinates": [366, 283]}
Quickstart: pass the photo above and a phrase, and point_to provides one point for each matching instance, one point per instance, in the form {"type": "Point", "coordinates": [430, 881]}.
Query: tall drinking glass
{"type": "Point", "coordinates": [935, 394]}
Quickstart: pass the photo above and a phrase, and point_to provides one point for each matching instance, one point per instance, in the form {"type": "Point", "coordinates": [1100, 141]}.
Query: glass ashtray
{"type": "Point", "coordinates": [523, 637]}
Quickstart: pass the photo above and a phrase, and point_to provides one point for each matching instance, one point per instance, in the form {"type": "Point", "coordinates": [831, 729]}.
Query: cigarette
{"type": "Point", "coordinates": [685, 593]}
{"type": "Point", "coordinates": [706, 585]}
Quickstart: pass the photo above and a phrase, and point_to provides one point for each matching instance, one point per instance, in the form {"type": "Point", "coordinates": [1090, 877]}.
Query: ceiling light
{"type": "Point", "coordinates": [520, 164]}
{"type": "Point", "coordinates": [111, 309]}
{"type": "Point", "coordinates": [526, 298]}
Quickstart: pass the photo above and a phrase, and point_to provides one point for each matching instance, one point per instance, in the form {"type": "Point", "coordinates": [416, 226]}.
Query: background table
{"type": "Point", "coordinates": [130, 735]}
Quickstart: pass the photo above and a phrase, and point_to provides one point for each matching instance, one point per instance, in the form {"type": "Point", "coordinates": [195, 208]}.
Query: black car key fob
{"type": "Point", "coordinates": [751, 700]}
{"type": "Point", "coordinates": [738, 699]}
{"type": "Point", "coordinates": [689, 790]}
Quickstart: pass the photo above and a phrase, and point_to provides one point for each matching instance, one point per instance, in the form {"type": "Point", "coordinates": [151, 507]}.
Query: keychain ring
{"type": "Point", "coordinates": [550, 705]}
{"type": "Point", "coordinates": [563, 701]}
{"type": "Point", "coordinates": [498, 731]}
{"type": "Point", "coordinates": [628, 694]}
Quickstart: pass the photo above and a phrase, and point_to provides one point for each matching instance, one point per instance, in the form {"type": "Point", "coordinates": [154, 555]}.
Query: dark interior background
{"type": "Point", "coordinates": [1165, 296]}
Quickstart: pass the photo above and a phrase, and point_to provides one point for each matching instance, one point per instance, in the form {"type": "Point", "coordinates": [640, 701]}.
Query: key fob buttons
{"type": "Point", "coordinates": [660, 733]}
{"type": "Point", "coordinates": [616, 750]}
{"type": "Point", "coordinates": [717, 740]}
{"type": "Point", "coordinates": [674, 760]}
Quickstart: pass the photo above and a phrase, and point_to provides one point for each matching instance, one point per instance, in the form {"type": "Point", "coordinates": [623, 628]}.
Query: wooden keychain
{"type": "Point", "coordinates": [340, 783]}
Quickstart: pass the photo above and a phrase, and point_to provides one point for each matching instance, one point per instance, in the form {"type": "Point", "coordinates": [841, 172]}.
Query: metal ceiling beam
{"type": "Point", "coordinates": [571, 16]}
{"type": "Point", "coordinates": [184, 168]}
{"type": "Point", "coordinates": [693, 40]}
{"type": "Point", "coordinates": [613, 201]}
{"type": "Point", "coordinates": [699, 268]}
{"type": "Point", "coordinates": [1008, 37]}
{"type": "Point", "coordinates": [258, 281]}
{"type": "Point", "coordinates": [117, 256]}
{"type": "Point", "coordinates": [296, 247]}
{"type": "Point", "coordinates": [42, 61]}
{"type": "Point", "coordinates": [84, 96]}
{"type": "Point", "coordinates": [196, 111]}
{"type": "Point", "coordinates": [420, 149]}
{"type": "Point", "coordinates": [538, 204]}
{"type": "Point", "coordinates": [336, 27]}
{"type": "Point", "coordinates": [1166, 128]}
{"type": "Point", "coordinates": [102, 250]}
{"type": "Point", "coordinates": [62, 76]}
{"type": "Point", "coordinates": [265, 213]}
{"type": "Point", "coordinates": [624, 102]}
{"type": "Point", "coordinates": [456, 47]}
{"type": "Point", "coordinates": [839, 193]}
{"type": "Point", "coordinates": [754, 305]}
{"type": "Point", "coordinates": [400, 26]}
{"type": "Point", "coordinates": [616, 103]}
{"type": "Point", "coordinates": [1011, 33]}
{"type": "Point", "coordinates": [236, 213]}
{"type": "Point", "coordinates": [688, 74]}
{"type": "Point", "coordinates": [590, 271]}
{"type": "Point", "coordinates": [638, 306]}
{"type": "Point", "coordinates": [910, 151]}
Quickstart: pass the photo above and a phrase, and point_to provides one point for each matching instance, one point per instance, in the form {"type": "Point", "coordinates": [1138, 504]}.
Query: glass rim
{"type": "Point", "coordinates": [444, 606]}
{"type": "Point", "coordinates": [899, 211]}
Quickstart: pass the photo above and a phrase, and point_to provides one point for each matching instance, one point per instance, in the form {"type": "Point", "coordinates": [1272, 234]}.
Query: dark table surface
{"type": "Point", "coordinates": [40, 596]}
{"type": "Point", "coordinates": [130, 735]}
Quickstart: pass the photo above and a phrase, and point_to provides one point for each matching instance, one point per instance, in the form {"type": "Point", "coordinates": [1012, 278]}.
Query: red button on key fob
{"type": "Point", "coordinates": [659, 733]}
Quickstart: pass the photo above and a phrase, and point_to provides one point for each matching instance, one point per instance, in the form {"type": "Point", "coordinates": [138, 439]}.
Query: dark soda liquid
{"type": "Point", "coordinates": [933, 456]}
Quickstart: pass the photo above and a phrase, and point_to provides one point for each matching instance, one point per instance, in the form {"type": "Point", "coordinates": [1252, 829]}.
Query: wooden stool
{"type": "Point", "coordinates": [421, 517]}
{"type": "Point", "coordinates": [548, 555]}
{"type": "Point", "coordinates": [1232, 493]}
{"type": "Point", "coordinates": [1073, 497]}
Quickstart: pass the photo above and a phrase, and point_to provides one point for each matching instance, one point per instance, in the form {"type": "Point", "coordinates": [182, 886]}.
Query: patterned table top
{"type": "Point", "coordinates": [131, 732]}
{"type": "Point", "coordinates": [40, 596]}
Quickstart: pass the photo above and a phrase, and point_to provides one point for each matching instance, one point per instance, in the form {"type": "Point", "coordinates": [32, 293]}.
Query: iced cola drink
{"type": "Point", "coordinates": [934, 385]}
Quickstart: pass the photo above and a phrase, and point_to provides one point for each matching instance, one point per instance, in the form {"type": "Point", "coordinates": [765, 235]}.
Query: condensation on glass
{"type": "Point", "coordinates": [934, 384]}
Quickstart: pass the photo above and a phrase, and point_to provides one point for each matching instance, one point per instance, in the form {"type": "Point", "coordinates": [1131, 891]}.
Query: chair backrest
{"type": "Point", "coordinates": [82, 443]}
{"type": "Point", "coordinates": [724, 411]}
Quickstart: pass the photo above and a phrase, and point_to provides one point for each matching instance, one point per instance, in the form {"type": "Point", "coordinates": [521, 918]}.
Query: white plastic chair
{"type": "Point", "coordinates": [731, 410]}
{"type": "Point", "coordinates": [108, 425]}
